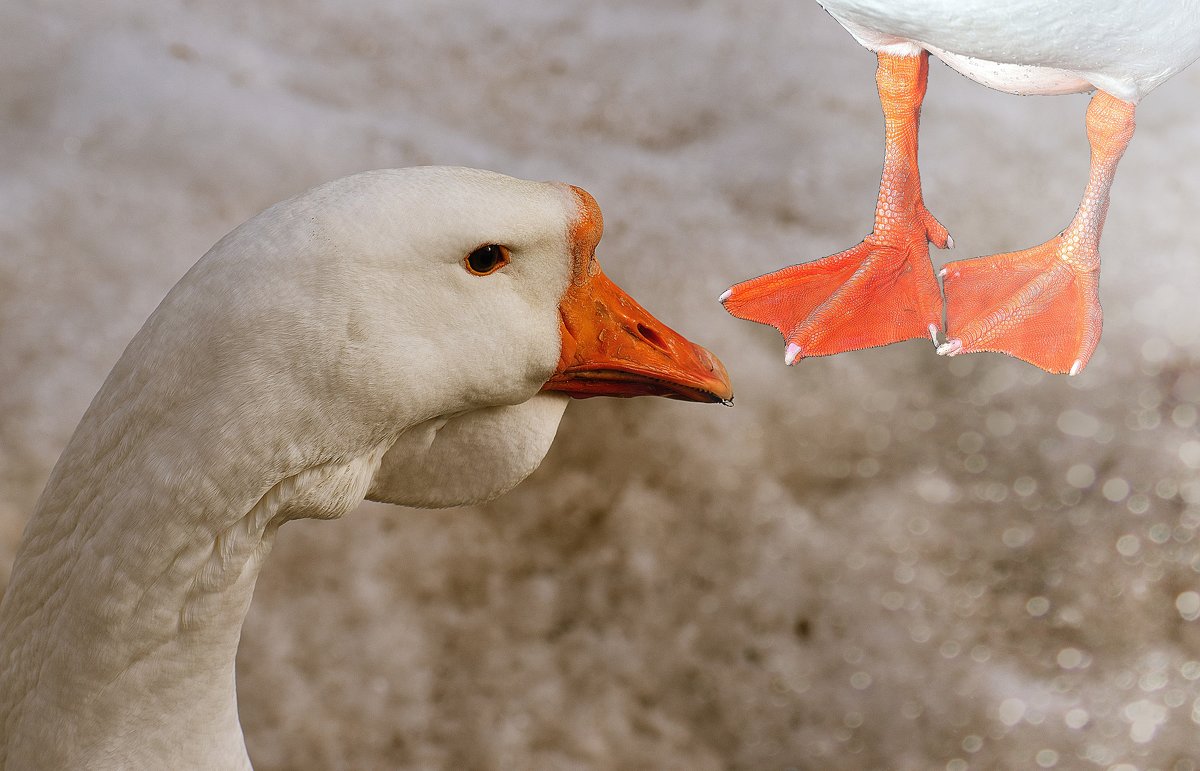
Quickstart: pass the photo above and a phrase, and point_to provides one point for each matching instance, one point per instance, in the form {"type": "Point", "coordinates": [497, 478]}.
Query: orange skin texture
{"type": "Point", "coordinates": [883, 290]}
{"type": "Point", "coordinates": [1042, 304]}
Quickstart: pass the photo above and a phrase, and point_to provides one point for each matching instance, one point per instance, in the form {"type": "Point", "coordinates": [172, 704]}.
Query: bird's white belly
{"type": "Point", "coordinates": [1035, 46]}
{"type": "Point", "coordinates": [1013, 78]}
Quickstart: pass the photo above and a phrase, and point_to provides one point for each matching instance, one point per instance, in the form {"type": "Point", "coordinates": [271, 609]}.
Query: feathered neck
{"type": "Point", "coordinates": [126, 602]}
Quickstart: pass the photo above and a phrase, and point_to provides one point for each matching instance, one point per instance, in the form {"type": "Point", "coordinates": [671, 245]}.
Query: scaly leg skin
{"type": "Point", "coordinates": [883, 290]}
{"type": "Point", "coordinates": [1041, 305]}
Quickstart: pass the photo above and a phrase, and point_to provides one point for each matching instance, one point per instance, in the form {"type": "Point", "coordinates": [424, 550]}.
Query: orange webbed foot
{"type": "Point", "coordinates": [1032, 304]}
{"type": "Point", "coordinates": [1041, 304]}
{"type": "Point", "coordinates": [881, 291]}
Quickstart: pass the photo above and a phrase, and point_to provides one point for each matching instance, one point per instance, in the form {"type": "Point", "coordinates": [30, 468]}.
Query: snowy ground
{"type": "Point", "coordinates": [882, 559]}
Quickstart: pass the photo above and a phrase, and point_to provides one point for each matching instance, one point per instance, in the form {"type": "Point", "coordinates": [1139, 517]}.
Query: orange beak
{"type": "Point", "coordinates": [611, 346]}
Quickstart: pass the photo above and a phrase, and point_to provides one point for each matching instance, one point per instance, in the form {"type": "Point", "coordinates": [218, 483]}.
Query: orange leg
{"type": "Point", "coordinates": [883, 290]}
{"type": "Point", "coordinates": [1041, 304]}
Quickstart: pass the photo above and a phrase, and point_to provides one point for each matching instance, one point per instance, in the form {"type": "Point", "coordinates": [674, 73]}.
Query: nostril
{"type": "Point", "coordinates": [652, 337]}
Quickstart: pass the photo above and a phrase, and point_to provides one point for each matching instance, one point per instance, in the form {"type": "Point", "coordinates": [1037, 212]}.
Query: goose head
{"type": "Point", "coordinates": [518, 312]}
{"type": "Point", "coordinates": [430, 322]}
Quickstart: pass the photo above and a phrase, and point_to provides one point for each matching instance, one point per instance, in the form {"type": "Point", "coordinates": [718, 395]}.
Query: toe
{"type": "Point", "coordinates": [936, 232]}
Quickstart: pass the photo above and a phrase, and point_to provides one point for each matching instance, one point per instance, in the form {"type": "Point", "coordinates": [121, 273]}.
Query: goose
{"type": "Point", "coordinates": [1039, 304]}
{"type": "Point", "coordinates": [407, 336]}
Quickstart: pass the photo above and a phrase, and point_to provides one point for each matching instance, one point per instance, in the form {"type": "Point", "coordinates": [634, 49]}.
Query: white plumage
{"type": "Point", "coordinates": [1123, 47]}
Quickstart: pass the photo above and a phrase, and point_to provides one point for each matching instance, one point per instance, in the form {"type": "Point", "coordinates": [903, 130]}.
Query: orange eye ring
{"type": "Point", "coordinates": [487, 259]}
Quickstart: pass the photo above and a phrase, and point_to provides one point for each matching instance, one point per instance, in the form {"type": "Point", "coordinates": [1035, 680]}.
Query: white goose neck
{"type": "Point", "coordinates": [120, 626]}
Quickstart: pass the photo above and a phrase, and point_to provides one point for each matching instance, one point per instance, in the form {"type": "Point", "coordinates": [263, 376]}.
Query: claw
{"type": "Point", "coordinates": [1078, 365]}
{"type": "Point", "coordinates": [792, 353]}
{"type": "Point", "coordinates": [933, 330]}
{"type": "Point", "coordinates": [950, 348]}
{"type": "Point", "coordinates": [725, 296]}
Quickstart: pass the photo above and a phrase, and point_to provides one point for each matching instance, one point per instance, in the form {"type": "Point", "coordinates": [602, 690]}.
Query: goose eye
{"type": "Point", "coordinates": [487, 259]}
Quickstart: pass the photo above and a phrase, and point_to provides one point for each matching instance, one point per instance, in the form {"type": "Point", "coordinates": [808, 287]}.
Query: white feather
{"type": "Point", "coordinates": [1037, 46]}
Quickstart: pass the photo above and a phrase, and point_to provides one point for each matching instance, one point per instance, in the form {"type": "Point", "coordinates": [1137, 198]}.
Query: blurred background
{"type": "Point", "coordinates": [884, 559]}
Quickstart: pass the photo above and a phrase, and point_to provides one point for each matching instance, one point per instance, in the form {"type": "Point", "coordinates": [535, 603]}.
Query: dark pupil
{"type": "Point", "coordinates": [485, 258]}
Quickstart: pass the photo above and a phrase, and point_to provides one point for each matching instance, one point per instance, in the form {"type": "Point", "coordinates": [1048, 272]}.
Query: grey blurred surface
{"type": "Point", "coordinates": [878, 560]}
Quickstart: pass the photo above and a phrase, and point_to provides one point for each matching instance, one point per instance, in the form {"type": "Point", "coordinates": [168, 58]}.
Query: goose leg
{"type": "Point", "coordinates": [883, 290]}
{"type": "Point", "coordinates": [1041, 304]}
